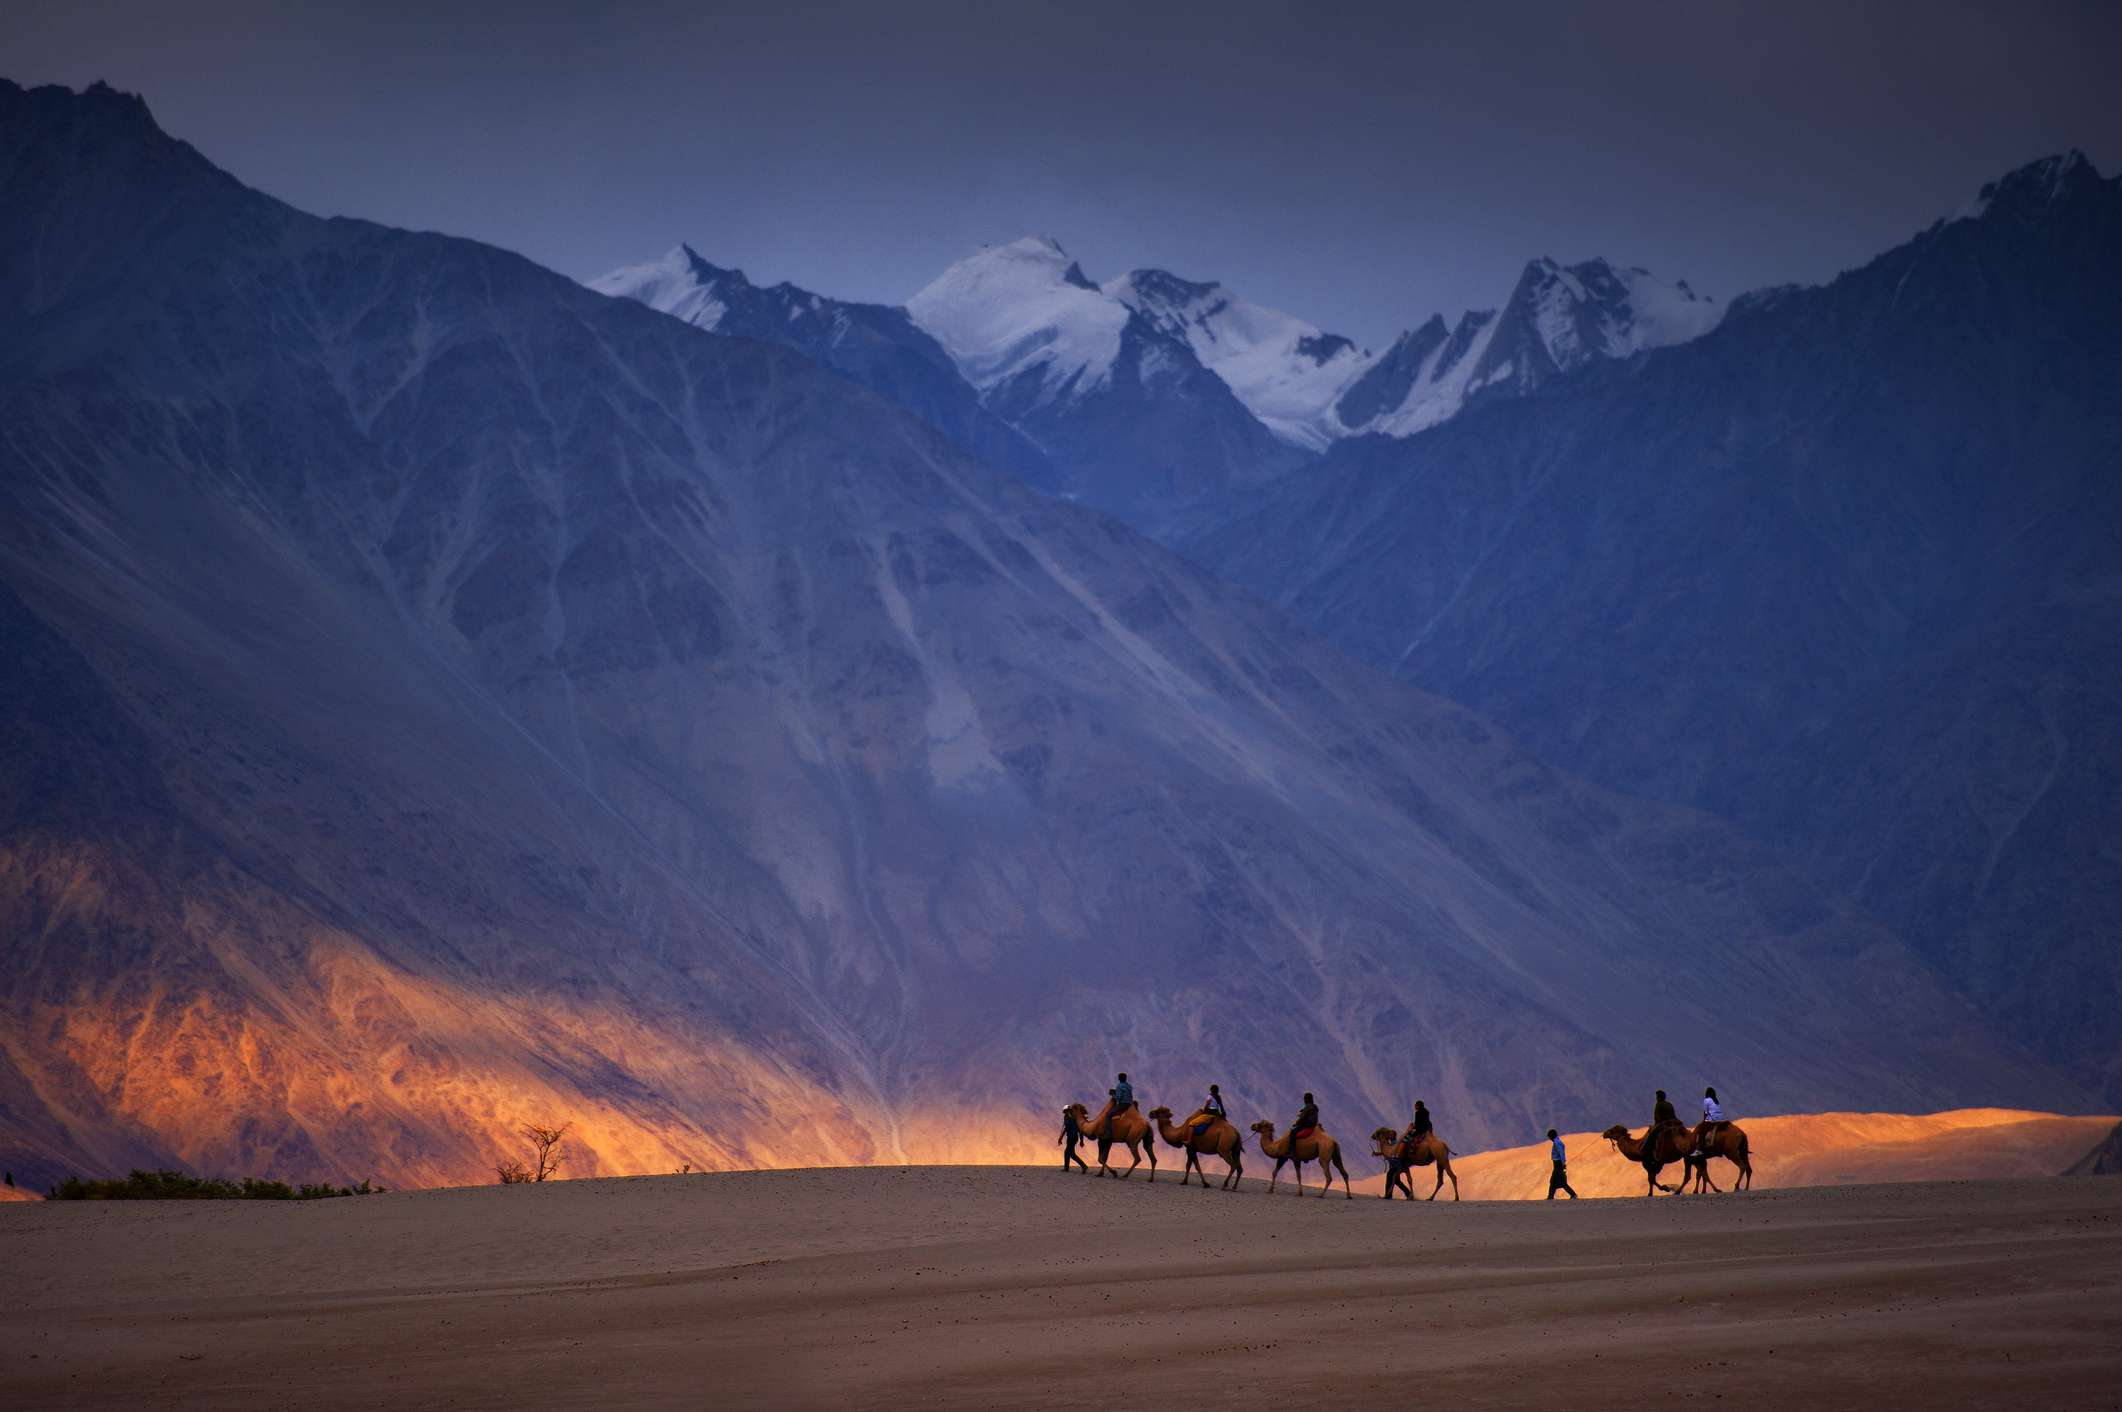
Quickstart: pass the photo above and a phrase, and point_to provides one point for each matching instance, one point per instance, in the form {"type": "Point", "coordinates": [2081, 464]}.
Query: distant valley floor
{"type": "Point", "coordinates": [960, 1286]}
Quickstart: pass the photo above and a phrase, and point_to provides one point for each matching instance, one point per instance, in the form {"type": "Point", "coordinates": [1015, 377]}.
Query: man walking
{"type": "Point", "coordinates": [1558, 1180]}
{"type": "Point", "coordinates": [1070, 1136]}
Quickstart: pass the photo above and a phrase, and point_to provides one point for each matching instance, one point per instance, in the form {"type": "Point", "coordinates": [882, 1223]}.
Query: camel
{"type": "Point", "coordinates": [1317, 1147]}
{"type": "Point", "coordinates": [1728, 1142]}
{"type": "Point", "coordinates": [1218, 1139]}
{"type": "Point", "coordinates": [1388, 1144]}
{"type": "Point", "coordinates": [1108, 1128]}
{"type": "Point", "coordinates": [1674, 1145]}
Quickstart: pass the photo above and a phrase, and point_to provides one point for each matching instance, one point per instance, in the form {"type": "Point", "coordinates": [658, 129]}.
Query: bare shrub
{"type": "Point", "coordinates": [548, 1151]}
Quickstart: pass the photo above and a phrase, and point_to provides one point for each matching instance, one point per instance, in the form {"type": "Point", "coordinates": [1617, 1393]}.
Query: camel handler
{"type": "Point", "coordinates": [1558, 1179]}
{"type": "Point", "coordinates": [1070, 1136]}
{"type": "Point", "coordinates": [1713, 1119]}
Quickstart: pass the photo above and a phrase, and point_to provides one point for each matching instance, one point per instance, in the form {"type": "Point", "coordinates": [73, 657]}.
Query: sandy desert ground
{"type": "Point", "coordinates": [965, 1287]}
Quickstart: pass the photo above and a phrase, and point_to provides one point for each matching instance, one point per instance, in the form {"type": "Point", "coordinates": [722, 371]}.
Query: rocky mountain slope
{"type": "Point", "coordinates": [874, 344]}
{"type": "Point", "coordinates": [442, 696]}
{"type": "Point", "coordinates": [1845, 570]}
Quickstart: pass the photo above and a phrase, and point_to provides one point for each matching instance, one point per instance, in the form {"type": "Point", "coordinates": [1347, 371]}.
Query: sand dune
{"type": "Point", "coordinates": [1806, 1149]}
{"type": "Point", "coordinates": [962, 1287]}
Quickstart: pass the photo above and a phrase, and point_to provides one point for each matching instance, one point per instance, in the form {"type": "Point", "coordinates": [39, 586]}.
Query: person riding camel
{"type": "Point", "coordinates": [1421, 1127]}
{"type": "Point", "coordinates": [1123, 1095]}
{"type": "Point", "coordinates": [1307, 1121]}
{"type": "Point", "coordinates": [1713, 1119]}
{"type": "Point", "coordinates": [1211, 1110]}
{"type": "Point", "coordinates": [1662, 1116]}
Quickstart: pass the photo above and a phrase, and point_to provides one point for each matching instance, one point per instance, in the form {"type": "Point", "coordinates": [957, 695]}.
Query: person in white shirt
{"type": "Point", "coordinates": [1712, 1118]}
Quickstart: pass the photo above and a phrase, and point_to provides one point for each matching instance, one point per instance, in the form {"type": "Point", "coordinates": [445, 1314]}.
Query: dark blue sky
{"type": "Point", "coordinates": [1362, 165]}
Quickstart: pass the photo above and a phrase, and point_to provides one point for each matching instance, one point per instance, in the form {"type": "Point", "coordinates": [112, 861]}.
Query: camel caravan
{"type": "Point", "coordinates": [1209, 1132]}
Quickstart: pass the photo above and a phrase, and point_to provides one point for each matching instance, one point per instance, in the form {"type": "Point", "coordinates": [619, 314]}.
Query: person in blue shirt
{"type": "Point", "coordinates": [1070, 1136]}
{"type": "Point", "coordinates": [1558, 1180]}
{"type": "Point", "coordinates": [1123, 1095]}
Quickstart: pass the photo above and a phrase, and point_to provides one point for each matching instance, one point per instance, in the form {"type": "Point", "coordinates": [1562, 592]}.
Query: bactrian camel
{"type": "Point", "coordinates": [1109, 1127]}
{"type": "Point", "coordinates": [1217, 1139]}
{"type": "Point", "coordinates": [1674, 1144]}
{"type": "Point", "coordinates": [1314, 1146]}
{"type": "Point", "coordinates": [1726, 1140]}
{"type": "Point", "coordinates": [1399, 1155]}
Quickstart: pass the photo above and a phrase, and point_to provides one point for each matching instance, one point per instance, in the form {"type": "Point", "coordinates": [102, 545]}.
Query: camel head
{"type": "Point", "coordinates": [1615, 1134]}
{"type": "Point", "coordinates": [1385, 1137]}
{"type": "Point", "coordinates": [1160, 1115]}
{"type": "Point", "coordinates": [1264, 1128]}
{"type": "Point", "coordinates": [1082, 1113]}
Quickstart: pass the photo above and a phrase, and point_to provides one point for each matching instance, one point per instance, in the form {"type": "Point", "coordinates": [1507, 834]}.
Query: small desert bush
{"type": "Point", "coordinates": [183, 1186]}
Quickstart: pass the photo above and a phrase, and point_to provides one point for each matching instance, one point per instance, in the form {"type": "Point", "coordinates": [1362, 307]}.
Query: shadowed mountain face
{"type": "Point", "coordinates": [442, 696]}
{"type": "Point", "coordinates": [1846, 570]}
{"type": "Point", "coordinates": [874, 344]}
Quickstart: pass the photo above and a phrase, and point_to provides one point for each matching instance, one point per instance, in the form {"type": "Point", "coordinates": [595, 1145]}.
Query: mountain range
{"type": "Point", "coordinates": [1159, 398]}
{"type": "Point", "coordinates": [1845, 570]}
{"type": "Point", "coordinates": [444, 696]}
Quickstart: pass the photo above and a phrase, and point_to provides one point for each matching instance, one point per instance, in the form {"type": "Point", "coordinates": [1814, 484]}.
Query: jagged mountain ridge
{"type": "Point", "coordinates": [1148, 395]}
{"type": "Point", "coordinates": [1843, 570]}
{"type": "Point", "coordinates": [451, 697]}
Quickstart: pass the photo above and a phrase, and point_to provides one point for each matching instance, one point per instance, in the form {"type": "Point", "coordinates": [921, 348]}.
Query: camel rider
{"type": "Point", "coordinates": [1420, 1128]}
{"type": "Point", "coordinates": [1712, 1118]}
{"type": "Point", "coordinates": [1662, 1116]}
{"type": "Point", "coordinates": [1211, 1110]}
{"type": "Point", "coordinates": [1123, 1096]}
{"type": "Point", "coordinates": [1307, 1121]}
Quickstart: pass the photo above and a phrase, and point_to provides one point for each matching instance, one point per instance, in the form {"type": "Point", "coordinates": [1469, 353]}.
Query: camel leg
{"type": "Point", "coordinates": [1439, 1186]}
{"type": "Point", "coordinates": [1455, 1180]}
{"type": "Point", "coordinates": [1348, 1192]}
{"type": "Point", "coordinates": [1146, 1142]}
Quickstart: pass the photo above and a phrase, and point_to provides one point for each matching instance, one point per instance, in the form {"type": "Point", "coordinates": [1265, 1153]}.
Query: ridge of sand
{"type": "Point", "coordinates": [1800, 1150]}
{"type": "Point", "coordinates": [991, 1286]}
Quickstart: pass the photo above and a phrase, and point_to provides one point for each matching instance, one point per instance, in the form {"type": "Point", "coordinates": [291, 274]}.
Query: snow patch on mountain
{"type": "Point", "coordinates": [1287, 372]}
{"type": "Point", "coordinates": [1009, 309]}
{"type": "Point", "coordinates": [680, 284]}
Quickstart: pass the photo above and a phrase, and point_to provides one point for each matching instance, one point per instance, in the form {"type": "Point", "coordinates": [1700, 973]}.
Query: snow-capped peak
{"type": "Point", "coordinates": [1006, 310]}
{"type": "Point", "coordinates": [1594, 310]}
{"type": "Point", "coordinates": [681, 284]}
{"type": "Point", "coordinates": [1286, 371]}
{"type": "Point", "coordinates": [1559, 317]}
